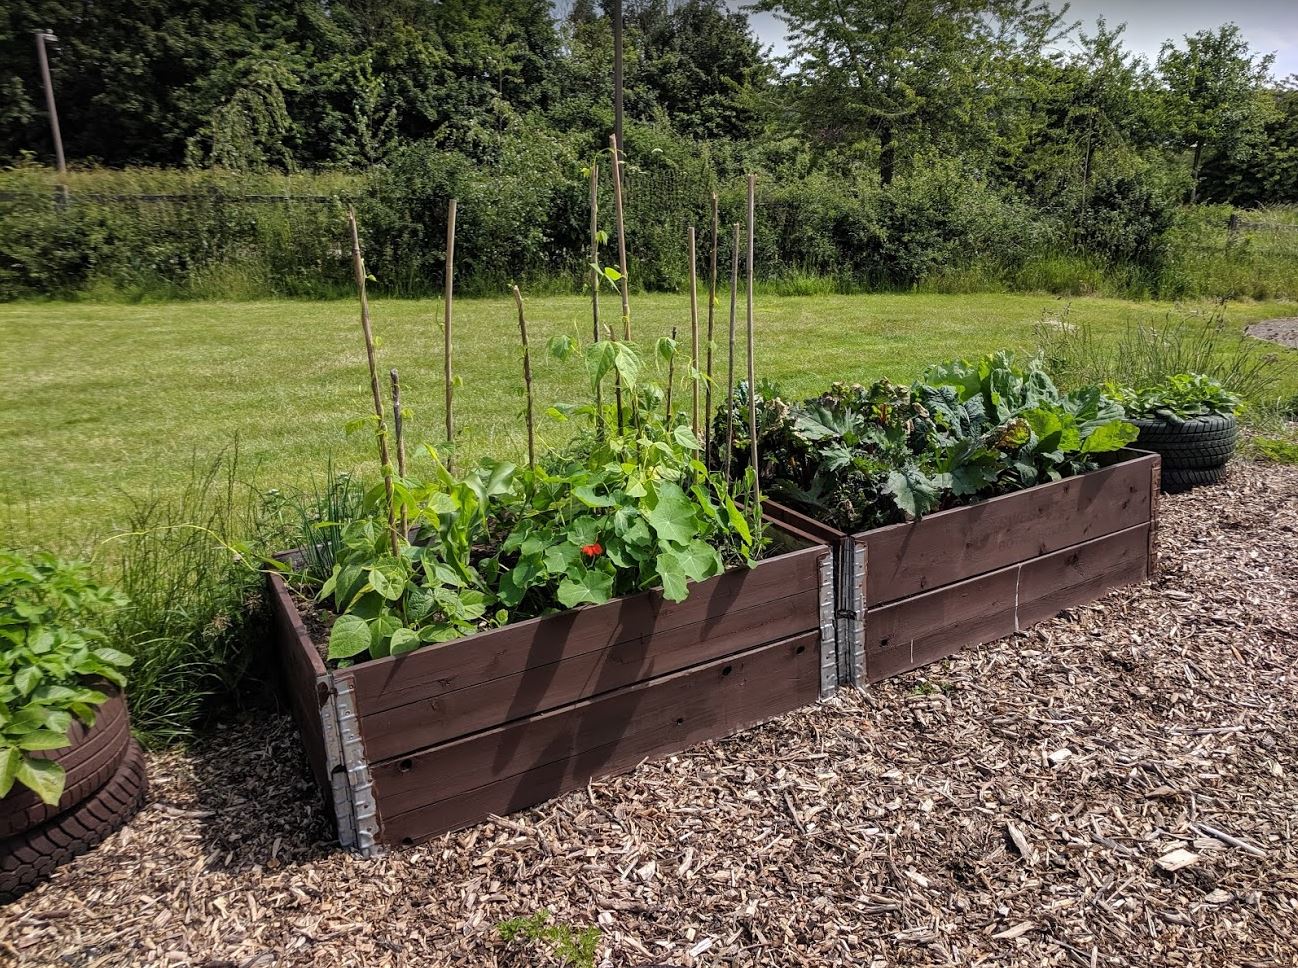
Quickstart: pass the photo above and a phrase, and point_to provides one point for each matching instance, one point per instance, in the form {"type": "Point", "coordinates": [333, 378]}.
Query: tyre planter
{"type": "Point", "coordinates": [910, 594]}
{"type": "Point", "coordinates": [30, 857]}
{"type": "Point", "coordinates": [89, 761]}
{"type": "Point", "coordinates": [1202, 444]}
{"type": "Point", "coordinates": [409, 747]}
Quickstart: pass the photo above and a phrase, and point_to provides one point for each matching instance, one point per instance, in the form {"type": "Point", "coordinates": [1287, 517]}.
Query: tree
{"type": "Point", "coordinates": [1214, 97]}
{"type": "Point", "coordinates": [903, 70]}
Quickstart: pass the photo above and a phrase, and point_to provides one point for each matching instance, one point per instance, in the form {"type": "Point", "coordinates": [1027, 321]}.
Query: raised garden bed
{"type": "Point", "coordinates": [405, 748]}
{"type": "Point", "coordinates": [910, 594]}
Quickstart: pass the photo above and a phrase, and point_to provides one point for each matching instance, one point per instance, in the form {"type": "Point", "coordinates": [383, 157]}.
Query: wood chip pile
{"type": "Point", "coordinates": [1117, 787]}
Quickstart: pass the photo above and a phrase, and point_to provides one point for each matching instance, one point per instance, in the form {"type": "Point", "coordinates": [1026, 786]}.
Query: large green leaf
{"type": "Point", "coordinates": [10, 758]}
{"type": "Point", "coordinates": [672, 516]}
{"type": "Point", "coordinates": [913, 491]}
{"type": "Point", "coordinates": [42, 777]}
{"type": "Point", "coordinates": [671, 572]}
{"type": "Point", "coordinates": [585, 586]}
{"type": "Point", "coordinates": [1109, 437]}
{"type": "Point", "coordinates": [699, 560]}
{"type": "Point", "coordinates": [350, 636]}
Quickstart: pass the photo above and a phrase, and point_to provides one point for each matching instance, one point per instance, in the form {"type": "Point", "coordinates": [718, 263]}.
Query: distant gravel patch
{"type": "Point", "coordinates": [1282, 331]}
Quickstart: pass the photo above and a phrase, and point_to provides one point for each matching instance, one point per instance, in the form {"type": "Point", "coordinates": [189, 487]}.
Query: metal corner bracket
{"type": "Point", "coordinates": [349, 772]}
{"type": "Point", "coordinates": [828, 627]}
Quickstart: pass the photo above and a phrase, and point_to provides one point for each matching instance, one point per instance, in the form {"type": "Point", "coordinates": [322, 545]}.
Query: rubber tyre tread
{"type": "Point", "coordinates": [1179, 479]}
{"type": "Point", "coordinates": [89, 761]}
{"type": "Point", "coordinates": [1205, 441]}
{"type": "Point", "coordinates": [31, 857]}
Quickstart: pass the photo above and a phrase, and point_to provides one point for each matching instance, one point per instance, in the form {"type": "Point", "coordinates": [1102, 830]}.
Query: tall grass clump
{"type": "Point", "coordinates": [195, 615]}
{"type": "Point", "coordinates": [1193, 342]}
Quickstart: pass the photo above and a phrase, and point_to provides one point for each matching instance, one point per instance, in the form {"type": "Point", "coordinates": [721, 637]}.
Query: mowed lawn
{"type": "Point", "coordinates": [98, 402]}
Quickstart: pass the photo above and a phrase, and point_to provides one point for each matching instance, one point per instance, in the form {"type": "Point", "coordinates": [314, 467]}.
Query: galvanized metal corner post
{"type": "Point", "coordinates": [41, 37]}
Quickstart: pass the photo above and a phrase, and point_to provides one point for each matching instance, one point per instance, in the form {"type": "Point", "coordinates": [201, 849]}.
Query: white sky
{"type": "Point", "coordinates": [1268, 25]}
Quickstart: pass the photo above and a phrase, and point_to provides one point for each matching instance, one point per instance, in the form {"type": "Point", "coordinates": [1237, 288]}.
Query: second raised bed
{"type": "Point", "coordinates": [909, 594]}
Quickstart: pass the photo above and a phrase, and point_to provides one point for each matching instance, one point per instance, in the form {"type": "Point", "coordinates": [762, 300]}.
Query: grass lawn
{"type": "Point", "coordinates": [98, 402]}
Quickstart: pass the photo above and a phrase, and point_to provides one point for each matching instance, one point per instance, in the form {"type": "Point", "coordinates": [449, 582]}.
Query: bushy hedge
{"type": "Point", "coordinates": [524, 217]}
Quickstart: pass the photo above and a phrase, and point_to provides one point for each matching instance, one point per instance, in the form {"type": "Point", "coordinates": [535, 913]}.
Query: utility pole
{"type": "Point", "coordinates": [617, 72]}
{"type": "Point", "coordinates": [41, 37]}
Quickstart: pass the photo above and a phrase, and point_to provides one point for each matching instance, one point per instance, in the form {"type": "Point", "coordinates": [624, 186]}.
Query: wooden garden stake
{"type": "Point", "coordinates": [399, 434]}
{"type": "Point", "coordinates": [671, 377]}
{"type": "Point", "coordinates": [621, 240]}
{"type": "Point", "coordinates": [594, 286]}
{"type": "Point", "coordinates": [694, 335]}
{"type": "Point", "coordinates": [752, 380]}
{"type": "Point", "coordinates": [358, 264]}
{"type": "Point", "coordinates": [447, 373]}
{"type": "Point", "coordinates": [527, 379]}
{"type": "Point", "coordinates": [712, 305]}
{"type": "Point", "coordinates": [730, 366]}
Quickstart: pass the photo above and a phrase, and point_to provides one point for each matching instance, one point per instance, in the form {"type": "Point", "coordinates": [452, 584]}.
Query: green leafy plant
{"type": "Point", "coordinates": [859, 458]}
{"type": "Point", "coordinates": [54, 659]}
{"type": "Point", "coordinates": [627, 506]}
{"type": "Point", "coordinates": [1179, 398]}
{"type": "Point", "coordinates": [568, 945]}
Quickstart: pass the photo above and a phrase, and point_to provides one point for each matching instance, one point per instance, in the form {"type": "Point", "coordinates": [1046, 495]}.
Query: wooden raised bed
{"type": "Point", "coordinates": [910, 594]}
{"type": "Point", "coordinates": [410, 747]}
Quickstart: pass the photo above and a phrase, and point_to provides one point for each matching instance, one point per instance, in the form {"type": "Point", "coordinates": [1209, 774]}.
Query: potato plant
{"type": "Point", "coordinates": [861, 457]}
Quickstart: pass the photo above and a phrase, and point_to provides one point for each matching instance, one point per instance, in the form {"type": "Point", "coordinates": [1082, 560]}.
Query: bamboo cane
{"type": "Point", "coordinates": [752, 379]}
{"type": "Point", "coordinates": [594, 286]}
{"type": "Point", "coordinates": [447, 372]}
{"type": "Point", "coordinates": [398, 432]}
{"type": "Point", "coordinates": [712, 305]}
{"type": "Point", "coordinates": [381, 433]}
{"type": "Point", "coordinates": [730, 366]}
{"type": "Point", "coordinates": [527, 379]}
{"type": "Point", "coordinates": [671, 377]}
{"type": "Point", "coordinates": [621, 239]}
{"type": "Point", "coordinates": [694, 337]}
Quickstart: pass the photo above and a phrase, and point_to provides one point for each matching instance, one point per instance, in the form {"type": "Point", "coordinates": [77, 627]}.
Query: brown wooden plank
{"type": "Point", "coordinates": [513, 767]}
{"type": "Point", "coordinates": [954, 545]}
{"type": "Point", "coordinates": [305, 678]}
{"type": "Point", "coordinates": [792, 517]}
{"type": "Point", "coordinates": [632, 621]}
{"type": "Point", "coordinates": [924, 628]}
{"type": "Point", "coordinates": [446, 715]}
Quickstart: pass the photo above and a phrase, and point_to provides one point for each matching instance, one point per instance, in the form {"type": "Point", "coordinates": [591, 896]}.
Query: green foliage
{"type": "Point", "coordinates": [616, 512]}
{"type": "Point", "coordinates": [1201, 343]}
{"type": "Point", "coordinates": [54, 659]}
{"type": "Point", "coordinates": [1278, 450]}
{"type": "Point", "coordinates": [568, 946]}
{"type": "Point", "coordinates": [859, 458]}
{"type": "Point", "coordinates": [1178, 398]}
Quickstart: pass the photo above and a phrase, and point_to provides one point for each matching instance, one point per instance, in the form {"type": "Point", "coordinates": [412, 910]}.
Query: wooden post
{"type": "Point", "coordinates": [594, 286]}
{"type": "Point", "coordinates": [730, 366]}
{"type": "Point", "coordinates": [694, 337]}
{"type": "Point", "coordinates": [712, 305]}
{"type": "Point", "coordinates": [381, 433]}
{"type": "Point", "coordinates": [752, 380]}
{"type": "Point", "coordinates": [399, 433]}
{"type": "Point", "coordinates": [621, 240]}
{"type": "Point", "coordinates": [671, 378]}
{"type": "Point", "coordinates": [527, 379]}
{"type": "Point", "coordinates": [447, 372]}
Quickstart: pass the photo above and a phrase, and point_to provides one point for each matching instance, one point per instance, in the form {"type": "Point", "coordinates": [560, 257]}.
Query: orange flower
{"type": "Point", "coordinates": [591, 550]}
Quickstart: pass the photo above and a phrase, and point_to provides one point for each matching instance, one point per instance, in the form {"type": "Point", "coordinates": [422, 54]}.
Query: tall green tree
{"type": "Point", "coordinates": [1214, 95]}
{"type": "Point", "coordinates": [903, 72]}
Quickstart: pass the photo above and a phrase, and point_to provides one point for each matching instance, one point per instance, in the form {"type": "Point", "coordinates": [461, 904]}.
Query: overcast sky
{"type": "Point", "coordinates": [1269, 25]}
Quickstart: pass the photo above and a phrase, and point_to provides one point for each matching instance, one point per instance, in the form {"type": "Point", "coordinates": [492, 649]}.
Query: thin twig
{"type": "Point", "coordinates": [447, 372]}
{"type": "Point", "coordinates": [694, 337]}
{"type": "Point", "coordinates": [730, 366]}
{"type": "Point", "coordinates": [398, 432]}
{"type": "Point", "coordinates": [712, 305]}
{"type": "Point", "coordinates": [527, 380]}
{"type": "Point", "coordinates": [621, 240]}
{"type": "Point", "coordinates": [381, 432]}
{"type": "Point", "coordinates": [594, 286]}
{"type": "Point", "coordinates": [671, 377]}
{"type": "Point", "coordinates": [752, 379]}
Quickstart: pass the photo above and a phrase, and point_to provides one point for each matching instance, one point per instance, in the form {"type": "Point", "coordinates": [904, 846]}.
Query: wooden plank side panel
{"type": "Point", "coordinates": [950, 546]}
{"type": "Point", "coordinates": [797, 519]}
{"type": "Point", "coordinates": [925, 628]}
{"type": "Point", "coordinates": [494, 702]}
{"type": "Point", "coordinates": [634, 622]}
{"type": "Point", "coordinates": [516, 766]}
{"type": "Point", "coordinates": [305, 678]}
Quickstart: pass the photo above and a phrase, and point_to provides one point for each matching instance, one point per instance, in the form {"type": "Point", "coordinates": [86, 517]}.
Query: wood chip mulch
{"type": "Point", "coordinates": [1118, 786]}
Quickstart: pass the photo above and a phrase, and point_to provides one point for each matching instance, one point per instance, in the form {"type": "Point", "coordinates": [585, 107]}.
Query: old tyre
{"type": "Point", "coordinates": [1178, 479]}
{"type": "Point", "coordinates": [1203, 442]}
{"type": "Point", "coordinates": [30, 857]}
{"type": "Point", "coordinates": [89, 761]}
